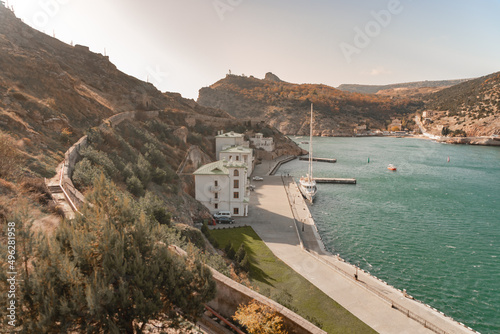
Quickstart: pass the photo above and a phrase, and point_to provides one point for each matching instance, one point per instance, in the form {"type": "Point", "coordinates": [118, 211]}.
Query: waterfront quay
{"type": "Point", "coordinates": [280, 216]}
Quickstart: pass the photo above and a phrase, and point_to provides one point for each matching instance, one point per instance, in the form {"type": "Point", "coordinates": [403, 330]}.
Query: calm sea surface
{"type": "Point", "coordinates": [432, 227]}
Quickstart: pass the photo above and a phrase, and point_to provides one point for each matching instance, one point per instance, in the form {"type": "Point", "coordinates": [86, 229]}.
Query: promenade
{"type": "Point", "coordinates": [279, 215]}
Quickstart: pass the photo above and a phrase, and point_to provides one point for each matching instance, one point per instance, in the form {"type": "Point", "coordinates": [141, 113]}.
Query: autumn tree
{"type": "Point", "coordinates": [259, 318]}
{"type": "Point", "coordinates": [110, 271]}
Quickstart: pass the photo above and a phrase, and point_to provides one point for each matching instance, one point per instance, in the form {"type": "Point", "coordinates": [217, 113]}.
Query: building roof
{"type": "Point", "coordinates": [219, 167]}
{"type": "Point", "coordinates": [231, 134]}
{"type": "Point", "coordinates": [237, 149]}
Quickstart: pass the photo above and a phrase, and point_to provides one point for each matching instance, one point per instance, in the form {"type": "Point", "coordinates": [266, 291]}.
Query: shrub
{"type": "Point", "coordinates": [194, 236]}
{"type": "Point", "coordinates": [65, 135]}
{"type": "Point", "coordinates": [241, 253]}
{"type": "Point", "coordinates": [230, 253]}
{"type": "Point", "coordinates": [36, 187]}
{"type": "Point", "coordinates": [11, 158]}
{"type": "Point", "coordinates": [100, 159]}
{"type": "Point", "coordinates": [154, 155]}
{"type": "Point", "coordinates": [245, 263]}
{"type": "Point", "coordinates": [85, 173]}
{"type": "Point", "coordinates": [56, 209]}
{"type": "Point", "coordinates": [159, 176]}
{"type": "Point", "coordinates": [154, 207]}
{"type": "Point", "coordinates": [134, 186]}
{"type": "Point", "coordinates": [143, 170]}
{"type": "Point", "coordinates": [259, 318]}
{"type": "Point", "coordinates": [129, 170]}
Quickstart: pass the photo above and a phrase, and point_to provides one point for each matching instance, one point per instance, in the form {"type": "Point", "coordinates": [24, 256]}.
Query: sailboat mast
{"type": "Point", "coordinates": [310, 145]}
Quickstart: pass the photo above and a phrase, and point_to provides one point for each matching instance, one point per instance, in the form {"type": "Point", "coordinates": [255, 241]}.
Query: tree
{"type": "Point", "coordinates": [230, 253]}
{"type": "Point", "coordinates": [259, 318]}
{"type": "Point", "coordinates": [110, 270]}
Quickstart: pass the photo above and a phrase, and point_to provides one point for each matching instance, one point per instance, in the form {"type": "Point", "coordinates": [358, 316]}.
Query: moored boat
{"type": "Point", "coordinates": [307, 185]}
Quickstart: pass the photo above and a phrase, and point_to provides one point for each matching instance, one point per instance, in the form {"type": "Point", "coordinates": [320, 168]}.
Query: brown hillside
{"type": "Point", "coordinates": [286, 105]}
{"type": "Point", "coordinates": [51, 92]}
{"type": "Point", "coordinates": [471, 108]}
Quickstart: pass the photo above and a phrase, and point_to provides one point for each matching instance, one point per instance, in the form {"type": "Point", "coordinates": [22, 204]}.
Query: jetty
{"type": "Point", "coordinates": [319, 159]}
{"type": "Point", "coordinates": [334, 180]}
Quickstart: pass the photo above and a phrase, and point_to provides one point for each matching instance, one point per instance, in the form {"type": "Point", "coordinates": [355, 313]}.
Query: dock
{"type": "Point", "coordinates": [319, 159]}
{"type": "Point", "coordinates": [334, 180]}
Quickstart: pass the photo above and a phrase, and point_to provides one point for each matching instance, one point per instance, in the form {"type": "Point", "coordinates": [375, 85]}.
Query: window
{"type": "Point", "coordinates": [236, 173]}
{"type": "Point", "coordinates": [236, 194]}
{"type": "Point", "coordinates": [236, 183]}
{"type": "Point", "coordinates": [216, 206]}
{"type": "Point", "coordinates": [216, 183]}
{"type": "Point", "coordinates": [236, 211]}
{"type": "Point", "coordinates": [216, 195]}
{"type": "Point", "coordinates": [237, 158]}
{"type": "Point", "coordinates": [245, 158]}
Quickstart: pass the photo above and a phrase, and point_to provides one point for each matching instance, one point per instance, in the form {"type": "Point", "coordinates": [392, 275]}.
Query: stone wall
{"type": "Point", "coordinates": [118, 118]}
{"type": "Point", "coordinates": [71, 157]}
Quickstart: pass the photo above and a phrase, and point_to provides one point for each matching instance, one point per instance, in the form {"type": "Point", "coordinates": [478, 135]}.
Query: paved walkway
{"type": "Point", "coordinates": [272, 218]}
{"type": "Point", "coordinates": [56, 191]}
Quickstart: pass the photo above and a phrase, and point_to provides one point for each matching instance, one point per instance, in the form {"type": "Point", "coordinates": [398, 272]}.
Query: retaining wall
{"type": "Point", "coordinates": [231, 294]}
{"type": "Point", "coordinates": [71, 157]}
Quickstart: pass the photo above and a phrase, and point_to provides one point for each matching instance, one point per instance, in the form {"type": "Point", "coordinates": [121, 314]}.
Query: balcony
{"type": "Point", "coordinates": [214, 189]}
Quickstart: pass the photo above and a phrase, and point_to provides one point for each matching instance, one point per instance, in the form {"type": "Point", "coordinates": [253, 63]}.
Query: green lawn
{"type": "Point", "coordinates": [272, 277]}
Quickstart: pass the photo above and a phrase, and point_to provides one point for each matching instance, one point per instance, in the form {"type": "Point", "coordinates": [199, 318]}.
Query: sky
{"type": "Point", "coordinates": [184, 45]}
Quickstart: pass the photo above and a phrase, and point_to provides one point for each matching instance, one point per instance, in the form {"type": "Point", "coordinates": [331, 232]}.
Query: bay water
{"type": "Point", "coordinates": [432, 227]}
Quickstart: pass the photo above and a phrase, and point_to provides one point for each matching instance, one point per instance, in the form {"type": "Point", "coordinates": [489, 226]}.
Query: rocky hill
{"type": "Point", "coordinates": [471, 108]}
{"type": "Point", "coordinates": [286, 105]}
{"type": "Point", "coordinates": [51, 93]}
{"type": "Point", "coordinates": [406, 89]}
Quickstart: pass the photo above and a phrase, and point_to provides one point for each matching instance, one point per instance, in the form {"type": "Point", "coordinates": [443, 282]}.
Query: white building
{"type": "Point", "coordinates": [238, 154]}
{"type": "Point", "coordinates": [222, 185]}
{"type": "Point", "coordinates": [259, 141]}
{"type": "Point", "coordinates": [225, 140]}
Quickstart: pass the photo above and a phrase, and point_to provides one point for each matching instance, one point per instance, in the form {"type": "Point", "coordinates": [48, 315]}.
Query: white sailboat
{"type": "Point", "coordinates": [307, 185]}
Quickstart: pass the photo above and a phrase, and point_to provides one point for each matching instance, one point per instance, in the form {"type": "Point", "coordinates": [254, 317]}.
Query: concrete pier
{"type": "Point", "coordinates": [334, 180]}
{"type": "Point", "coordinates": [319, 159]}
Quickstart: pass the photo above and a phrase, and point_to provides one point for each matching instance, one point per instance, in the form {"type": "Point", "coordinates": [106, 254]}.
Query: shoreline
{"type": "Point", "coordinates": [311, 243]}
{"type": "Point", "coordinates": [479, 141]}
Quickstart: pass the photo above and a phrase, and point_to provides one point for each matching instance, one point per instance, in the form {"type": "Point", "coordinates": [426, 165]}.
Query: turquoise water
{"type": "Point", "coordinates": [432, 227]}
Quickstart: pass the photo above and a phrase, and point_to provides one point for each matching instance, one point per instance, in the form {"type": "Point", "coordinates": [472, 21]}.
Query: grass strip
{"type": "Point", "coordinates": [273, 278]}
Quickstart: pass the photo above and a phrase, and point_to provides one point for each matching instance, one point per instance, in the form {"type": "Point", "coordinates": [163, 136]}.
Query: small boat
{"type": "Point", "coordinates": [391, 167]}
{"type": "Point", "coordinates": [304, 142]}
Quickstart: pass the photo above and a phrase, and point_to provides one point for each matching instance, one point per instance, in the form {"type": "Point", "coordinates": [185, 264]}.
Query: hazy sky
{"type": "Point", "coordinates": [183, 45]}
